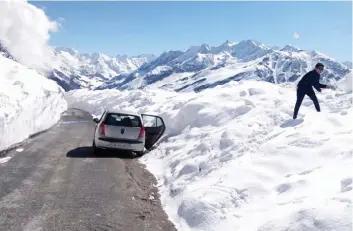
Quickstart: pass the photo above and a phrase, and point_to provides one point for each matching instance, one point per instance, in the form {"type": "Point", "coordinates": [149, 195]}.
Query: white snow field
{"type": "Point", "coordinates": [29, 102]}
{"type": "Point", "coordinates": [233, 159]}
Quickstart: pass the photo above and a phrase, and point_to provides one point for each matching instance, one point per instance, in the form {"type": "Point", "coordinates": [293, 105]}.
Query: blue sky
{"type": "Point", "coordinates": [153, 27]}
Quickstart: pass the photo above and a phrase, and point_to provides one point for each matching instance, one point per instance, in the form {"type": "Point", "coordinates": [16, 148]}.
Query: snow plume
{"type": "Point", "coordinates": [25, 31]}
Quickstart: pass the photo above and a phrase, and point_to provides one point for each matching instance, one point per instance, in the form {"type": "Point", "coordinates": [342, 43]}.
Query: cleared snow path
{"type": "Point", "coordinates": [233, 159]}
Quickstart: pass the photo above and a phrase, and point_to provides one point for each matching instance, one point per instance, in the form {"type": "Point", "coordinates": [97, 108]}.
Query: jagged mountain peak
{"type": "Point", "coordinates": [227, 43]}
{"type": "Point", "coordinates": [290, 48]}
{"type": "Point", "coordinates": [97, 56]}
{"type": "Point", "coordinates": [66, 49]}
{"type": "Point", "coordinates": [204, 48]}
{"type": "Point", "coordinates": [317, 53]}
{"type": "Point", "coordinates": [224, 47]}
{"type": "Point", "coordinates": [194, 50]}
{"type": "Point", "coordinates": [276, 48]}
{"type": "Point", "coordinates": [251, 43]}
{"type": "Point", "coordinates": [247, 50]}
{"type": "Point", "coordinates": [121, 57]}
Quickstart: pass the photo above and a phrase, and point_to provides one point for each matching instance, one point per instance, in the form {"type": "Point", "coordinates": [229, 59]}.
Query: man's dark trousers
{"type": "Point", "coordinates": [301, 92]}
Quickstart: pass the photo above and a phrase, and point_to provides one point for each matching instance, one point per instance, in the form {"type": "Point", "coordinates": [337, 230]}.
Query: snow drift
{"type": "Point", "coordinates": [29, 102]}
{"type": "Point", "coordinates": [233, 159]}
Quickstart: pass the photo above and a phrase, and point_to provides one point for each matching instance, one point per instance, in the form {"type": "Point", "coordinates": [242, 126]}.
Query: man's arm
{"type": "Point", "coordinates": [317, 87]}
{"type": "Point", "coordinates": [322, 85]}
{"type": "Point", "coordinates": [316, 84]}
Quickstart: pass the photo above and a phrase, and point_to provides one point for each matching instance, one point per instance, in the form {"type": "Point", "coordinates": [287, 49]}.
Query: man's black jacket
{"type": "Point", "coordinates": [309, 80]}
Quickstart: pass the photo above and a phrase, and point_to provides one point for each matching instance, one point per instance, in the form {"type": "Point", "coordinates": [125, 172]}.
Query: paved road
{"type": "Point", "coordinates": [56, 183]}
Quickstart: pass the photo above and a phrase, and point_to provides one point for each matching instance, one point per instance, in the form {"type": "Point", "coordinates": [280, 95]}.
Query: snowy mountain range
{"type": "Point", "coordinates": [196, 69]}
{"type": "Point", "coordinates": [74, 70]}
{"type": "Point", "coordinates": [204, 66]}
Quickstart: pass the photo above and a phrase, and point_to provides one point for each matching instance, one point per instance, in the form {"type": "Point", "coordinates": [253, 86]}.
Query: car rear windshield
{"type": "Point", "coordinates": [122, 120]}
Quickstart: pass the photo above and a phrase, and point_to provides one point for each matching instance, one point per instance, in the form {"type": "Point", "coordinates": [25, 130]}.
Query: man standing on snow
{"type": "Point", "coordinates": [305, 87]}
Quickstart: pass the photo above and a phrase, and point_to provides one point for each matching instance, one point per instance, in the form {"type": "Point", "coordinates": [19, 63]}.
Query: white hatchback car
{"type": "Point", "coordinates": [127, 131]}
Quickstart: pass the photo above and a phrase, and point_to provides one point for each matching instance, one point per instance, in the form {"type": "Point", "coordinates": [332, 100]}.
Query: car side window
{"type": "Point", "coordinates": [159, 122]}
{"type": "Point", "coordinates": [149, 121]}
{"type": "Point", "coordinates": [152, 121]}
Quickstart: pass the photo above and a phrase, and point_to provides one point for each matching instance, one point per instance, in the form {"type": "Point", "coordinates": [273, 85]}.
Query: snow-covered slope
{"type": "Point", "coordinates": [74, 70]}
{"type": "Point", "coordinates": [202, 67]}
{"type": "Point", "coordinates": [348, 64]}
{"type": "Point", "coordinates": [233, 159]}
{"type": "Point", "coordinates": [29, 102]}
{"type": "Point", "coordinates": [5, 53]}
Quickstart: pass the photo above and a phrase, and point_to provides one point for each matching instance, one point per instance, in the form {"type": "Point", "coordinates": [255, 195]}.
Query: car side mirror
{"type": "Point", "coordinates": [96, 120]}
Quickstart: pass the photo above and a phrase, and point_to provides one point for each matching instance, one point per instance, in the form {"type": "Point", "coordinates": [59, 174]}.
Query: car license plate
{"type": "Point", "coordinates": [122, 145]}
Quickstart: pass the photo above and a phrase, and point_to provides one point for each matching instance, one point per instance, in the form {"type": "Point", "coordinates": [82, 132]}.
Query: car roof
{"type": "Point", "coordinates": [123, 112]}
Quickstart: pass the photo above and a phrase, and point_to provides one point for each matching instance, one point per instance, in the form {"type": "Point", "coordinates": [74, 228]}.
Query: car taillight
{"type": "Point", "coordinates": [142, 131]}
{"type": "Point", "coordinates": [102, 129]}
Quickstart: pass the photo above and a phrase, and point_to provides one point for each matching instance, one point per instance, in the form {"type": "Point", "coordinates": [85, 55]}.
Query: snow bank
{"type": "Point", "coordinates": [29, 102]}
{"type": "Point", "coordinates": [233, 159]}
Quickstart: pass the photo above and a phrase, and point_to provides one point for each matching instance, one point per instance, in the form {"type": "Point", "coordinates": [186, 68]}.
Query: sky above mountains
{"type": "Point", "coordinates": [134, 28]}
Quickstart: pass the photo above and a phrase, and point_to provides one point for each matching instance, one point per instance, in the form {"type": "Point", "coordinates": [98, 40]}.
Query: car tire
{"type": "Point", "coordinates": [139, 154]}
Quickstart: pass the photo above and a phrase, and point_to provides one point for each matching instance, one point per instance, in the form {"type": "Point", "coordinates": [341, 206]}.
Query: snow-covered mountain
{"type": "Point", "coordinates": [74, 70]}
{"type": "Point", "coordinates": [196, 69]}
{"type": "Point", "coordinates": [348, 64]}
{"type": "Point", "coordinates": [4, 52]}
{"type": "Point", "coordinates": [204, 66]}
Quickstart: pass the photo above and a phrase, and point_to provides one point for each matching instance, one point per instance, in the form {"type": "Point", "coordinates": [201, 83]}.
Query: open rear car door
{"type": "Point", "coordinates": [154, 129]}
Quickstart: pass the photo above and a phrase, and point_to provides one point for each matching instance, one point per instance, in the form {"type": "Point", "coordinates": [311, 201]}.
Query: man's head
{"type": "Point", "coordinates": [319, 67]}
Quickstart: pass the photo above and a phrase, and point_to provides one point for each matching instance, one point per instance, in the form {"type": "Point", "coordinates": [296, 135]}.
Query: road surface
{"type": "Point", "coordinates": [56, 183]}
